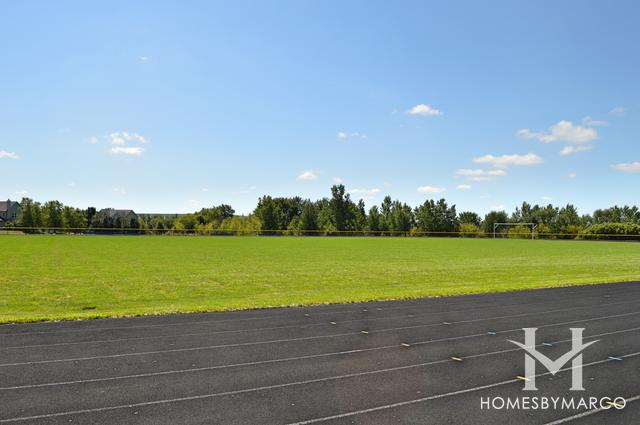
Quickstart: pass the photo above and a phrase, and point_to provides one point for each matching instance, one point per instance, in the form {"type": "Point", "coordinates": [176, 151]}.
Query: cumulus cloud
{"type": "Point", "coordinates": [342, 135]}
{"type": "Point", "coordinates": [308, 175]}
{"type": "Point", "coordinates": [505, 161]}
{"type": "Point", "coordinates": [431, 189]}
{"type": "Point", "coordinates": [569, 149]}
{"type": "Point", "coordinates": [338, 180]}
{"type": "Point", "coordinates": [464, 187]}
{"type": "Point", "coordinates": [480, 175]}
{"type": "Point", "coordinates": [121, 142]}
{"type": "Point", "coordinates": [8, 155]}
{"type": "Point", "coordinates": [563, 131]}
{"type": "Point", "coordinates": [628, 167]}
{"type": "Point", "coordinates": [124, 137]}
{"type": "Point", "coordinates": [424, 110]}
{"type": "Point", "coordinates": [127, 150]}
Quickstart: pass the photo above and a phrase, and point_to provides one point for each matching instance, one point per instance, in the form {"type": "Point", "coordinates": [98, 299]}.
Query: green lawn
{"type": "Point", "coordinates": [64, 277]}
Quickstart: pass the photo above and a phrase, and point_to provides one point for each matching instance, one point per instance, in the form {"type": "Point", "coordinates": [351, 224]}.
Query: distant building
{"type": "Point", "coordinates": [9, 211]}
{"type": "Point", "coordinates": [109, 218]}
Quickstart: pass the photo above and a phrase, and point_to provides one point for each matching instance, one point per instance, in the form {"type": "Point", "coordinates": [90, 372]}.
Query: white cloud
{"type": "Point", "coordinates": [124, 137]}
{"type": "Point", "coordinates": [546, 198]}
{"type": "Point", "coordinates": [563, 131]}
{"type": "Point", "coordinates": [193, 203]}
{"type": "Point", "coordinates": [464, 187]}
{"type": "Point", "coordinates": [424, 110]}
{"type": "Point", "coordinates": [431, 189]}
{"type": "Point", "coordinates": [143, 58]}
{"type": "Point", "coordinates": [572, 175]}
{"type": "Point", "coordinates": [629, 167]}
{"type": "Point", "coordinates": [342, 135]}
{"type": "Point", "coordinates": [121, 142]}
{"type": "Point", "coordinates": [22, 193]}
{"type": "Point", "coordinates": [204, 189]}
{"type": "Point", "coordinates": [127, 150]}
{"type": "Point", "coordinates": [505, 161]}
{"type": "Point", "coordinates": [338, 180]}
{"type": "Point", "coordinates": [479, 175]}
{"type": "Point", "coordinates": [308, 175]}
{"type": "Point", "coordinates": [498, 207]}
{"type": "Point", "coordinates": [93, 140]}
{"type": "Point", "coordinates": [71, 184]}
{"type": "Point", "coordinates": [568, 150]}
{"type": "Point", "coordinates": [9, 155]}
{"type": "Point", "coordinates": [120, 190]}
{"type": "Point", "coordinates": [590, 122]}
{"type": "Point", "coordinates": [618, 110]}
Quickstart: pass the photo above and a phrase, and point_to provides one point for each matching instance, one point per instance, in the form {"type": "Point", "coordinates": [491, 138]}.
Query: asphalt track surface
{"type": "Point", "coordinates": [427, 361]}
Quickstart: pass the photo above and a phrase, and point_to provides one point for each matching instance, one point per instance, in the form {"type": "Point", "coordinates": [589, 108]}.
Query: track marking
{"type": "Point", "coordinates": [246, 344]}
{"type": "Point", "coordinates": [347, 352]}
{"type": "Point", "coordinates": [588, 413]}
{"type": "Point", "coordinates": [260, 315]}
{"type": "Point", "coordinates": [438, 396]}
{"type": "Point", "coordinates": [522, 378]}
{"type": "Point", "coordinates": [618, 359]}
{"type": "Point", "coordinates": [301, 326]}
{"type": "Point", "coordinates": [456, 359]}
{"type": "Point", "coordinates": [404, 344]}
{"type": "Point", "coordinates": [290, 384]}
{"type": "Point", "coordinates": [231, 331]}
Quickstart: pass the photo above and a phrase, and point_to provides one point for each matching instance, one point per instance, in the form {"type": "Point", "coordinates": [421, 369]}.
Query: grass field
{"type": "Point", "coordinates": [65, 277]}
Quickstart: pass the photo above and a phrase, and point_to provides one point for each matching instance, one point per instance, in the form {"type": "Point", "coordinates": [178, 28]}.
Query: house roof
{"type": "Point", "coordinates": [116, 213]}
{"type": "Point", "coordinates": [4, 205]}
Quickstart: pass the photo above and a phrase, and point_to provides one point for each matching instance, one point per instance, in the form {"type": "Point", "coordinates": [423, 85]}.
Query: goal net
{"type": "Point", "coordinates": [514, 230]}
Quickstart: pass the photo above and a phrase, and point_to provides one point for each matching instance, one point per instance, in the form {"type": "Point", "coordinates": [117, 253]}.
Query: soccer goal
{"type": "Point", "coordinates": [497, 226]}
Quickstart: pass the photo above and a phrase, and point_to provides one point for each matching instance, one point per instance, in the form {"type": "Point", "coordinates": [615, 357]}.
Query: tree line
{"type": "Point", "coordinates": [339, 214]}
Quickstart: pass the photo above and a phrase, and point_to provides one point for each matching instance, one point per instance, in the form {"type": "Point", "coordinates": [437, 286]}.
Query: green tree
{"type": "Point", "coordinates": [373, 220]}
{"type": "Point", "coordinates": [469, 217]}
{"type": "Point", "coordinates": [26, 216]}
{"type": "Point", "coordinates": [52, 211]}
{"type": "Point", "coordinates": [494, 217]}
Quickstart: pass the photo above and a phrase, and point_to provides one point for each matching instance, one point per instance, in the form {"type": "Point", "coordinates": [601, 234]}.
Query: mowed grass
{"type": "Point", "coordinates": [67, 277]}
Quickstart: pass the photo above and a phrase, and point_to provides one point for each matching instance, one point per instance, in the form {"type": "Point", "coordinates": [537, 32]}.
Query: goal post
{"type": "Point", "coordinates": [532, 226]}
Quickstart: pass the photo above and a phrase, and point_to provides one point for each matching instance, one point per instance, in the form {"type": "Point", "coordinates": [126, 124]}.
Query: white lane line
{"type": "Point", "coordinates": [247, 344]}
{"type": "Point", "coordinates": [290, 384]}
{"type": "Point", "coordinates": [588, 413]}
{"type": "Point", "coordinates": [261, 316]}
{"type": "Point", "coordinates": [311, 356]}
{"type": "Point", "coordinates": [213, 322]}
{"type": "Point", "coordinates": [437, 396]}
{"type": "Point", "coordinates": [300, 326]}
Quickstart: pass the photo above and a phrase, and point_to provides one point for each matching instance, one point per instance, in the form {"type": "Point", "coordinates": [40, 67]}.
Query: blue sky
{"type": "Point", "coordinates": [171, 106]}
